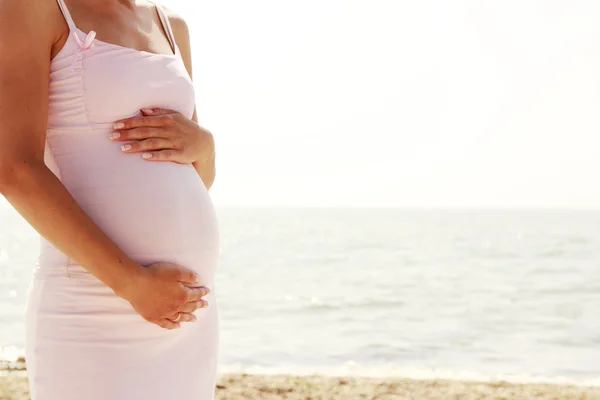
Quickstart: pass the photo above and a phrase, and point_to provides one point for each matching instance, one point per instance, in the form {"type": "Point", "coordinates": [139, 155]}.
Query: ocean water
{"type": "Point", "coordinates": [465, 294]}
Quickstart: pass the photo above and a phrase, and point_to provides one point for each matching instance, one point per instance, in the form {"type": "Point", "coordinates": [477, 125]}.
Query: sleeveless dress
{"type": "Point", "coordinates": [82, 341]}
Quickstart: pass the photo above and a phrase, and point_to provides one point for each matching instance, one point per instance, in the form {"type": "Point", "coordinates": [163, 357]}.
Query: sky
{"type": "Point", "coordinates": [400, 103]}
{"type": "Point", "coordinates": [429, 103]}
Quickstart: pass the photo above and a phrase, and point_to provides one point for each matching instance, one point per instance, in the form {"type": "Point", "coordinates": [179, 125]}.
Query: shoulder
{"type": "Point", "coordinates": [182, 36]}
{"type": "Point", "coordinates": [180, 27]}
{"type": "Point", "coordinates": [36, 24]}
{"type": "Point", "coordinates": [25, 9]}
{"type": "Point", "coordinates": [29, 14]}
{"type": "Point", "coordinates": [178, 24]}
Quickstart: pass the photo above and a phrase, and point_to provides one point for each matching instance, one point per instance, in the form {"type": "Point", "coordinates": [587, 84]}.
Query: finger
{"type": "Point", "coordinates": [153, 144]}
{"type": "Point", "coordinates": [187, 276]}
{"type": "Point", "coordinates": [197, 293]}
{"type": "Point", "coordinates": [150, 120]}
{"type": "Point", "coordinates": [138, 134]}
{"type": "Point", "coordinates": [156, 111]}
{"type": "Point", "coordinates": [183, 317]}
{"type": "Point", "coordinates": [162, 155]}
{"type": "Point", "coordinates": [167, 324]}
{"type": "Point", "coordinates": [192, 306]}
{"type": "Point", "coordinates": [186, 317]}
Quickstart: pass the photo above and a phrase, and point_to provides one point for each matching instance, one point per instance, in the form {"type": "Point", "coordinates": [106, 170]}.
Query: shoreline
{"type": "Point", "coordinates": [18, 368]}
{"type": "Point", "coordinates": [13, 386]}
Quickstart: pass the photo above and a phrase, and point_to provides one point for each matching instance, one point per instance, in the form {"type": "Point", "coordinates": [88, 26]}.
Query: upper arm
{"type": "Point", "coordinates": [26, 42]}
{"type": "Point", "coordinates": [182, 37]}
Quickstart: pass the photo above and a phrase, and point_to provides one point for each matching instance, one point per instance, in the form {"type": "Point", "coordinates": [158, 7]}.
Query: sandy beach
{"type": "Point", "coordinates": [275, 387]}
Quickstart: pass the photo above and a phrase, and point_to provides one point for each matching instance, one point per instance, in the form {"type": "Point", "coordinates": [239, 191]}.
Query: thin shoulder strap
{"type": "Point", "coordinates": [166, 25]}
{"type": "Point", "coordinates": [66, 14]}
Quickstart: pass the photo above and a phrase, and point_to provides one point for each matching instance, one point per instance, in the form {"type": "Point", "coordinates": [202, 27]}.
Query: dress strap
{"type": "Point", "coordinates": [166, 25]}
{"type": "Point", "coordinates": [66, 14]}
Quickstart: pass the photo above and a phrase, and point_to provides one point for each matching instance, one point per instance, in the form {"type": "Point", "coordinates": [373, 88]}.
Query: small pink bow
{"type": "Point", "coordinates": [82, 45]}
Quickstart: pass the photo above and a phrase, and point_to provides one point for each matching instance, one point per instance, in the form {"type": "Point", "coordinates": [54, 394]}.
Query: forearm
{"type": "Point", "coordinates": [207, 172]}
{"type": "Point", "coordinates": [41, 198]}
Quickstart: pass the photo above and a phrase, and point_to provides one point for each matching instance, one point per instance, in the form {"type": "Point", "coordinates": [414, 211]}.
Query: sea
{"type": "Point", "coordinates": [456, 294]}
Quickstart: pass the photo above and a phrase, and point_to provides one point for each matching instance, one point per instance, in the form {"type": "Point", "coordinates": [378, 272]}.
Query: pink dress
{"type": "Point", "coordinates": [82, 341]}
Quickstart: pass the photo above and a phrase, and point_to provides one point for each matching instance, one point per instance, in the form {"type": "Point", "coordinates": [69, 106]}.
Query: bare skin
{"type": "Point", "coordinates": [31, 33]}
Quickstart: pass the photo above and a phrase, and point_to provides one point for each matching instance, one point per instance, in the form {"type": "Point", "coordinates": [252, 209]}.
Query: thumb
{"type": "Point", "coordinates": [155, 111]}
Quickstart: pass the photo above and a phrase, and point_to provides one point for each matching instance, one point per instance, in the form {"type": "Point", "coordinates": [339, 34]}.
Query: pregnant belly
{"type": "Point", "coordinates": [154, 211]}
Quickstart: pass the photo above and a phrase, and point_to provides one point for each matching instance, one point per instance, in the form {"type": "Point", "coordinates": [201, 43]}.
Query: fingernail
{"type": "Point", "coordinates": [147, 155]}
{"type": "Point", "coordinates": [118, 125]}
{"type": "Point", "coordinates": [147, 110]}
{"type": "Point", "coordinates": [126, 147]}
{"type": "Point", "coordinates": [114, 135]}
{"type": "Point", "coordinates": [194, 319]}
{"type": "Point", "coordinates": [204, 304]}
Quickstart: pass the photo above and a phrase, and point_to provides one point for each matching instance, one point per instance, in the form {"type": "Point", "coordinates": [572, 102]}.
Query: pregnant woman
{"type": "Point", "coordinates": [101, 153]}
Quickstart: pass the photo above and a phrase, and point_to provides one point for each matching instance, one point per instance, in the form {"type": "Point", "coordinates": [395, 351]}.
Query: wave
{"type": "Point", "coordinates": [312, 302]}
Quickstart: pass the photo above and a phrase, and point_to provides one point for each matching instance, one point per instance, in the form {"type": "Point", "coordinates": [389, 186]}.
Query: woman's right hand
{"type": "Point", "coordinates": [160, 291]}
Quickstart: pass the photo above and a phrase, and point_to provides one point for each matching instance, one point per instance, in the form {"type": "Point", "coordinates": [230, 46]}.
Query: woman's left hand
{"type": "Point", "coordinates": [164, 135]}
